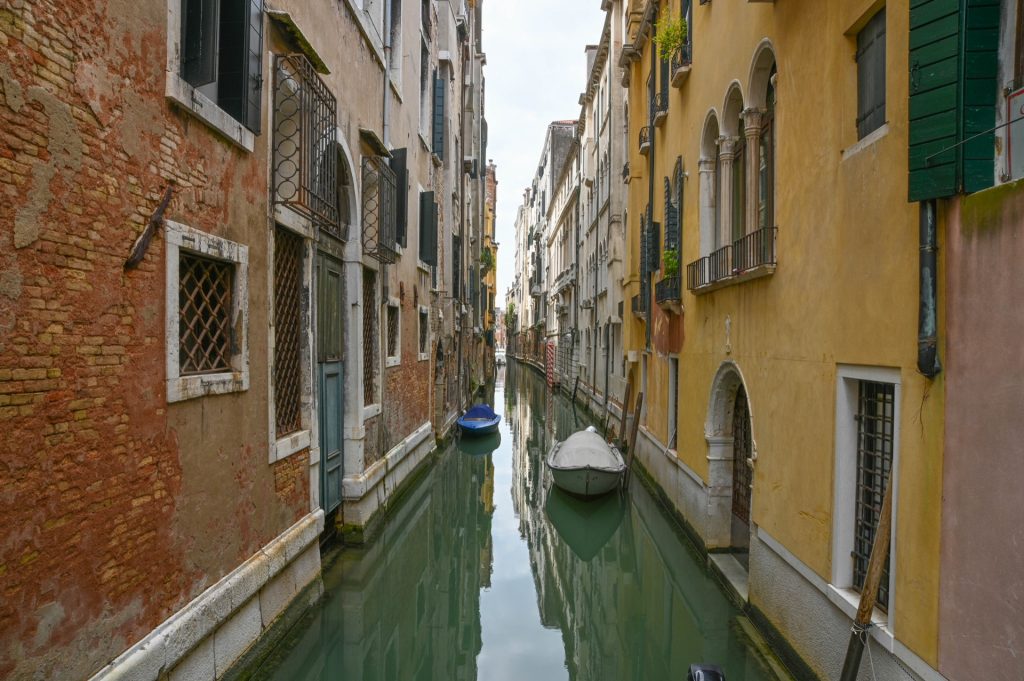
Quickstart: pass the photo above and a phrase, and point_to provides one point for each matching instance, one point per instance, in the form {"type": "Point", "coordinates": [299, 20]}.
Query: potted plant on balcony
{"type": "Point", "coordinates": [669, 297]}
{"type": "Point", "coordinates": [670, 34]}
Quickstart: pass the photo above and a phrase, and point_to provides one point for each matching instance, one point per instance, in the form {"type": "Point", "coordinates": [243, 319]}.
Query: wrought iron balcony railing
{"type": "Point", "coordinates": [645, 139]}
{"type": "Point", "coordinates": [305, 155]}
{"type": "Point", "coordinates": [680, 64]}
{"type": "Point", "coordinates": [745, 255]}
{"type": "Point", "coordinates": [669, 290]}
{"type": "Point", "coordinates": [660, 107]}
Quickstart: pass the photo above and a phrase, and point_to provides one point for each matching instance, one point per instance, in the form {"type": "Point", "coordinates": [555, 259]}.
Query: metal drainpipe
{"type": "Point", "coordinates": [927, 326]}
{"type": "Point", "coordinates": [386, 109]}
{"type": "Point", "coordinates": [646, 279]}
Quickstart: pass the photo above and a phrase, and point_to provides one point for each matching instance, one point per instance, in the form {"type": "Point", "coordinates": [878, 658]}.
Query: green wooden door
{"type": "Point", "coordinates": [330, 370]}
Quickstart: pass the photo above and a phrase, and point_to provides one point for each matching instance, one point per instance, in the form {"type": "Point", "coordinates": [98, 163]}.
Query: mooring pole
{"type": "Point", "coordinates": [632, 436]}
{"type": "Point", "coordinates": [624, 412]}
{"type": "Point", "coordinates": [868, 595]}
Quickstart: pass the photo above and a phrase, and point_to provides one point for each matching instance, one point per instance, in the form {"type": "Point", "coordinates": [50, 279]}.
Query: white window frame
{"type": "Point", "coordinates": [181, 93]}
{"type": "Point", "coordinates": [179, 237]}
{"type": "Point", "coordinates": [840, 589]}
{"type": "Point", "coordinates": [395, 359]}
{"type": "Point", "coordinates": [281, 448]}
{"type": "Point", "coordinates": [422, 310]}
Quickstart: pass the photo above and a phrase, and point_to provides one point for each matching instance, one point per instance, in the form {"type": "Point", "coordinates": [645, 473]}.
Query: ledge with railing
{"type": "Point", "coordinates": [748, 257]}
{"type": "Point", "coordinates": [669, 293]}
{"type": "Point", "coordinates": [645, 139]}
{"type": "Point", "coordinates": [660, 108]}
{"type": "Point", "coordinates": [680, 64]}
{"type": "Point", "coordinates": [639, 307]}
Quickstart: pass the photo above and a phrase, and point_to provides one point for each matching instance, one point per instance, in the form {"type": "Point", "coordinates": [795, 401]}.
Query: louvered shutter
{"type": "Point", "coordinates": [399, 166]}
{"type": "Point", "coordinates": [671, 220]}
{"type": "Point", "coordinates": [654, 246]}
{"type": "Point", "coordinates": [439, 96]}
{"type": "Point", "coordinates": [665, 77]}
{"type": "Point", "coordinates": [981, 88]}
{"type": "Point", "coordinates": [871, 75]}
{"type": "Point", "coordinates": [199, 31]}
{"type": "Point", "coordinates": [953, 93]}
{"type": "Point", "coordinates": [253, 76]}
{"type": "Point", "coordinates": [643, 248]}
{"type": "Point", "coordinates": [428, 229]}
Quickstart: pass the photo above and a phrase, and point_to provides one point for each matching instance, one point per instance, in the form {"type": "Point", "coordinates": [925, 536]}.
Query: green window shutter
{"type": "Point", "coordinates": [654, 246]}
{"type": "Point", "coordinates": [199, 32]}
{"type": "Point", "coordinates": [953, 91]}
{"type": "Point", "coordinates": [398, 165]}
{"type": "Point", "coordinates": [253, 78]}
{"type": "Point", "coordinates": [665, 77]}
{"type": "Point", "coordinates": [981, 89]}
{"type": "Point", "coordinates": [871, 75]}
{"type": "Point", "coordinates": [671, 220]}
{"type": "Point", "coordinates": [439, 94]}
{"type": "Point", "coordinates": [428, 228]}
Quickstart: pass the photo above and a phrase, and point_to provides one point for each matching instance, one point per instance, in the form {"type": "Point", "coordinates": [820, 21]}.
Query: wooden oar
{"type": "Point", "coordinates": [869, 594]}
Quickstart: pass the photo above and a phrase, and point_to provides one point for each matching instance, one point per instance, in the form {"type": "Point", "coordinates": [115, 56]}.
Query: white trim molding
{"type": "Point", "coordinates": [178, 238]}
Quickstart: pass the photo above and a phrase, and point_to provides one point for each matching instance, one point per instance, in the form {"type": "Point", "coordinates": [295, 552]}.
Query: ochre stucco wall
{"type": "Point", "coordinates": [845, 290]}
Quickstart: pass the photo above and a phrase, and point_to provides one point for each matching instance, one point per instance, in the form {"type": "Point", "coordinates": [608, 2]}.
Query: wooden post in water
{"type": "Point", "coordinates": [632, 436]}
{"type": "Point", "coordinates": [624, 412]}
{"type": "Point", "coordinates": [869, 594]}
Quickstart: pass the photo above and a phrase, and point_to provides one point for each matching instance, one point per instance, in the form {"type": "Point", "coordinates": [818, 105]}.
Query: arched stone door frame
{"type": "Point", "coordinates": [718, 432]}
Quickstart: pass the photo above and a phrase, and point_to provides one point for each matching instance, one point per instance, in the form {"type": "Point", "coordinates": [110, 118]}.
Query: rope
{"type": "Point", "coordinates": [861, 632]}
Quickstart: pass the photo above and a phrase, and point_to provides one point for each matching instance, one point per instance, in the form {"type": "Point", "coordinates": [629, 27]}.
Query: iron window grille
{"type": "Point", "coordinates": [875, 423]}
{"type": "Point", "coordinates": [305, 161]}
{"type": "Point", "coordinates": [668, 289]}
{"type": "Point", "coordinates": [204, 305]}
{"type": "Point", "coordinates": [660, 107]}
{"type": "Point", "coordinates": [392, 330]}
{"type": "Point", "coordinates": [645, 139]}
{"type": "Point", "coordinates": [370, 338]}
{"type": "Point", "coordinates": [380, 224]}
{"type": "Point", "coordinates": [288, 249]}
{"type": "Point", "coordinates": [682, 57]}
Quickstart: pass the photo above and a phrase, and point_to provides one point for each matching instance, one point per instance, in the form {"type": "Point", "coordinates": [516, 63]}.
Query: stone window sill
{"type": "Point", "coordinates": [289, 444]}
{"type": "Point", "coordinates": [205, 109]}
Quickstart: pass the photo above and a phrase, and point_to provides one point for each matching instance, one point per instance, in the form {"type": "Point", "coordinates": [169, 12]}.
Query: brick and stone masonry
{"type": "Point", "coordinates": [117, 508]}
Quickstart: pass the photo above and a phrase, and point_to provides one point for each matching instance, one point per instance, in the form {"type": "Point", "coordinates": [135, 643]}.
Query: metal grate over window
{"type": "Point", "coordinates": [875, 422]}
{"type": "Point", "coordinates": [392, 330]}
{"type": "Point", "coordinates": [305, 159]}
{"type": "Point", "coordinates": [742, 478]}
{"type": "Point", "coordinates": [370, 338]}
{"type": "Point", "coordinates": [288, 250]}
{"type": "Point", "coordinates": [204, 308]}
{"type": "Point", "coordinates": [380, 218]}
{"type": "Point", "coordinates": [424, 330]}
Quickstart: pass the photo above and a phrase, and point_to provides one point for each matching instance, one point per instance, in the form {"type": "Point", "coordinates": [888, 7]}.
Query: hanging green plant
{"type": "Point", "coordinates": [670, 34]}
{"type": "Point", "coordinates": [670, 260]}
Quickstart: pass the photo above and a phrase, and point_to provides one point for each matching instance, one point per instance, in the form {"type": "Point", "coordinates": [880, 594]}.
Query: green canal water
{"type": "Point", "coordinates": [483, 572]}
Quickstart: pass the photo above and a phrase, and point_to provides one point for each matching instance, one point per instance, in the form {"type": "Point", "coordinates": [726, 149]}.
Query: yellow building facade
{"type": "Point", "coordinates": [772, 259]}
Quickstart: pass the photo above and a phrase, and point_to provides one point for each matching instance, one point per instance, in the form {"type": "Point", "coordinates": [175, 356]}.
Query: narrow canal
{"type": "Point", "coordinates": [482, 572]}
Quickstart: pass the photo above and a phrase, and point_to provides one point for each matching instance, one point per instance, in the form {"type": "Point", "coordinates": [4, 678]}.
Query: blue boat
{"type": "Point", "coordinates": [479, 420]}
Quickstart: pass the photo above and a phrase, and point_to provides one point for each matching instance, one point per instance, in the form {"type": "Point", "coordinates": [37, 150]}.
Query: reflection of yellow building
{"type": "Point", "coordinates": [783, 349]}
{"type": "Point", "coordinates": [490, 260]}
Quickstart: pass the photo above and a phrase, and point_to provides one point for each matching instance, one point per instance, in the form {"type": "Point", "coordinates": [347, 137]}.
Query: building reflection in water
{"type": "Point", "coordinates": [614, 577]}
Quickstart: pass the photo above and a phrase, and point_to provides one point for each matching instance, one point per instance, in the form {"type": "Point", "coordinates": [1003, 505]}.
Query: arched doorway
{"type": "Point", "coordinates": [731, 453]}
{"type": "Point", "coordinates": [742, 462]}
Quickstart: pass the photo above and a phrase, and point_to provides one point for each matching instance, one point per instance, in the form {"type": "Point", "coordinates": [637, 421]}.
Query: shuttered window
{"type": "Point", "coordinates": [400, 169]}
{"type": "Point", "coordinates": [439, 121]}
{"type": "Point", "coordinates": [871, 75]}
{"type": "Point", "coordinates": [428, 229]}
{"type": "Point", "coordinates": [953, 92]}
{"type": "Point", "coordinates": [222, 54]}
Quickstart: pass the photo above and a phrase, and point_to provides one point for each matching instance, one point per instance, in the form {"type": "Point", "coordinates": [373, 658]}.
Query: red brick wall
{"type": "Point", "coordinates": [117, 509]}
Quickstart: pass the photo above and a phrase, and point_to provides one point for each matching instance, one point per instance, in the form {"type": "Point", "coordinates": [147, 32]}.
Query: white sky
{"type": "Point", "coordinates": [536, 70]}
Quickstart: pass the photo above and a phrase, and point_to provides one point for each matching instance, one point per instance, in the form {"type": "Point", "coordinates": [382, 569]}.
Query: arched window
{"type": "Point", "coordinates": [766, 160]}
{"type": "Point", "coordinates": [710, 184]}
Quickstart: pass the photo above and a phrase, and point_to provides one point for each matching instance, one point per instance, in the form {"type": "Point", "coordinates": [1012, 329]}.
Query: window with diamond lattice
{"type": "Point", "coordinates": [875, 424]}
{"type": "Point", "coordinates": [392, 331]}
{"type": "Point", "coordinates": [370, 339]}
{"type": "Point", "coordinates": [288, 250]}
{"type": "Point", "coordinates": [204, 308]}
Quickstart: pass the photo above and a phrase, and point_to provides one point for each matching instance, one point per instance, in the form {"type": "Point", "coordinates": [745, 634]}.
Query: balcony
{"type": "Point", "coordinates": [645, 139]}
{"type": "Point", "coordinates": [638, 308]}
{"type": "Point", "coordinates": [680, 64]}
{"type": "Point", "coordinates": [660, 108]}
{"type": "Point", "coordinates": [669, 294]}
{"type": "Point", "coordinates": [749, 257]}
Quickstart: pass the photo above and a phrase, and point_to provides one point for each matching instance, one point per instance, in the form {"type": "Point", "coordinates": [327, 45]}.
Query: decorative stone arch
{"type": "Point", "coordinates": [761, 67]}
{"type": "Point", "coordinates": [720, 434]}
{"type": "Point", "coordinates": [708, 184]}
{"type": "Point", "coordinates": [348, 194]}
{"type": "Point", "coordinates": [732, 110]}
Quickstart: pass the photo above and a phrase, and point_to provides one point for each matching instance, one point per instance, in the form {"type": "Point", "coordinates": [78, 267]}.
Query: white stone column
{"type": "Point", "coordinates": [726, 156]}
{"type": "Point", "coordinates": [752, 121]}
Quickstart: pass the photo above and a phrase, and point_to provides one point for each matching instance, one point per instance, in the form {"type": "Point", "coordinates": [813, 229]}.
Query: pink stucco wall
{"type": "Point", "coordinates": [981, 632]}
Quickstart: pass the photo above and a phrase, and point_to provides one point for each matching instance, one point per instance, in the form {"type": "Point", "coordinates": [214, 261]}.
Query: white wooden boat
{"type": "Point", "coordinates": [585, 465]}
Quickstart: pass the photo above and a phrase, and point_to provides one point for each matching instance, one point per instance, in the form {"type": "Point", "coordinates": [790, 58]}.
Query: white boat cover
{"type": "Point", "coordinates": [586, 449]}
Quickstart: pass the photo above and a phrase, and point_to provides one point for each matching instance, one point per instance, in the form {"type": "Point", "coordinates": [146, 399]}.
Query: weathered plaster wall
{"type": "Point", "coordinates": [982, 535]}
{"type": "Point", "coordinates": [118, 509]}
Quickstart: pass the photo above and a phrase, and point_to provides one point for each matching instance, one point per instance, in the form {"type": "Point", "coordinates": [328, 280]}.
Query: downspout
{"type": "Point", "coordinates": [386, 109]}
{"type": "Point", "coordinates": [927, 326]}
{"type": "Point", "coordinates": [646, 279]}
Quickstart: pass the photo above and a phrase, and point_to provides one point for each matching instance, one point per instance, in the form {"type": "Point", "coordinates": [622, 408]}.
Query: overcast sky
{"type": "Point", "coordinates": [536, 68]}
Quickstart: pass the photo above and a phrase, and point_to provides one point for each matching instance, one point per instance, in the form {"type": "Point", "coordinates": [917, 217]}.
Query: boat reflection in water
{"type": "Point", "coordinates": [459, 585]}
{"type": "Point", "coordinates": [478, 445]}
